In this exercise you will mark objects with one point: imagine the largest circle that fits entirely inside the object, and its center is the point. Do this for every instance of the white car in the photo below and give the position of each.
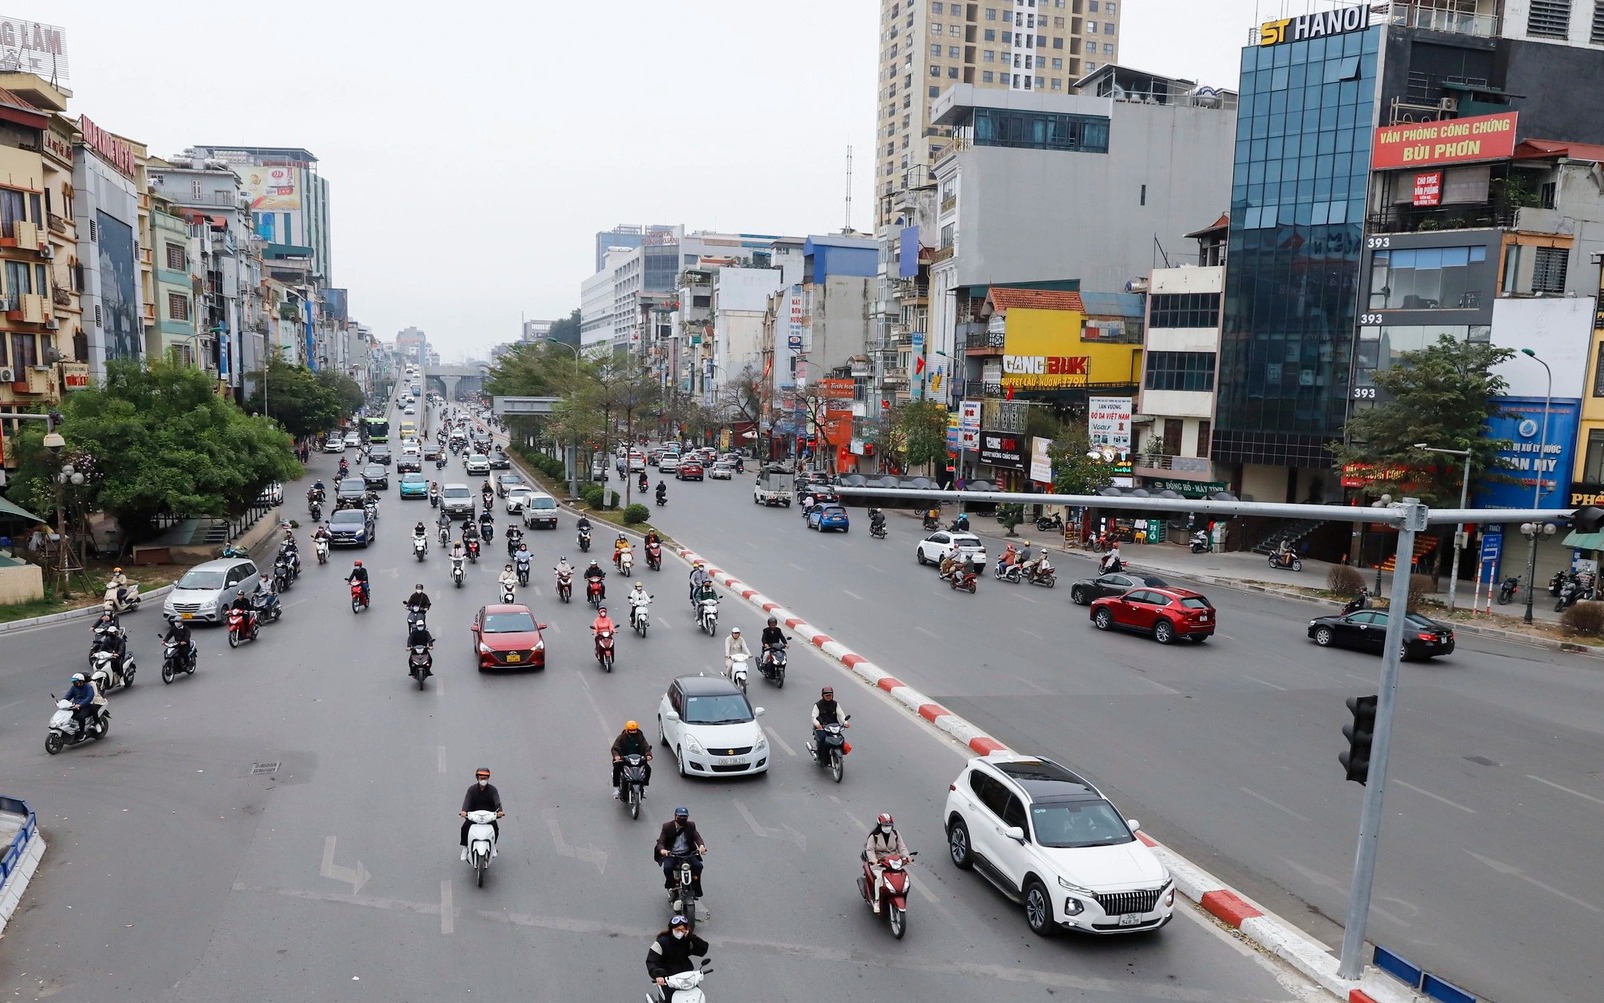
(333, 444)
(353, 439)
(936, 546)
(517, 498)
(712, 728)
(723, 470)
(1049, 840)
(668, 463)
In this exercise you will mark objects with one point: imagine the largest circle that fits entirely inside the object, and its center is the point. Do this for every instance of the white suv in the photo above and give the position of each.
(1049, 840)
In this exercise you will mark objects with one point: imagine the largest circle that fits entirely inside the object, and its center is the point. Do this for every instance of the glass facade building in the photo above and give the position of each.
(1306, 114)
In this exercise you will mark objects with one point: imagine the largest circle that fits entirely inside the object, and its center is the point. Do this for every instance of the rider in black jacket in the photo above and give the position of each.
(670, 953)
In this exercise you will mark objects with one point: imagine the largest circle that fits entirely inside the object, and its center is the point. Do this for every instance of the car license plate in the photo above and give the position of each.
(515, 657)
(730, 761)
(1131, 919)
(186, 616)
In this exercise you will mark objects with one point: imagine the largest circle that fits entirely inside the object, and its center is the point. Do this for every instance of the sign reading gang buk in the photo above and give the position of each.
(1327, 22)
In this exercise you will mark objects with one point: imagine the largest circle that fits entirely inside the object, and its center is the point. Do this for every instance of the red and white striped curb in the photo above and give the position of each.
(1211, 894)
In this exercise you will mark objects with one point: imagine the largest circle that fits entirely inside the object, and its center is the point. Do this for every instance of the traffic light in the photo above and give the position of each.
(1357, 759)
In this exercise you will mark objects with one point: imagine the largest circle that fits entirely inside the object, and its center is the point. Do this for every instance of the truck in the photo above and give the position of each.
(775, 484)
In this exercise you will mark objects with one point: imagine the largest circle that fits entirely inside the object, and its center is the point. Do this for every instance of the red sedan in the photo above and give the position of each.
(507, 636)
(1166, 613)
(689, 470)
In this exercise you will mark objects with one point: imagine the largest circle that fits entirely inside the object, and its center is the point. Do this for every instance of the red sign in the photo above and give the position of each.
(1450, 141)
(1428, 188)
(116, 151)
(837, 389)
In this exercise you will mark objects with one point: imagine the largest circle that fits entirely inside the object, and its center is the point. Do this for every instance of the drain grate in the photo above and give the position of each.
(262, 769)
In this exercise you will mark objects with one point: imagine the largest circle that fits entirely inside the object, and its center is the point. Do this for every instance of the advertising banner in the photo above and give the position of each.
(1428, 188)
(969, 425)
(1529, 456)
(1048, 352)
(1108, 422)
(271, 189)
(1002, 449)
(1041, 465)
(1450, 141)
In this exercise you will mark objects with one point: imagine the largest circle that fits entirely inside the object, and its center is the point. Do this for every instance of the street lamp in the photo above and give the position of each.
(1537, 492)
(1459, 534)
(68, 474)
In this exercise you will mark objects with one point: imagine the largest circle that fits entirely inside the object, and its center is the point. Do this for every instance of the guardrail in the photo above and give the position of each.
(20, 857)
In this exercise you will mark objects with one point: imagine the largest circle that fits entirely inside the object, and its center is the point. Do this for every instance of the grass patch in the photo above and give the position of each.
(88, 586)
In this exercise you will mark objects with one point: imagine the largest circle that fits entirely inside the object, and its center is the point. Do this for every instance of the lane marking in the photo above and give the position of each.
(848, 592)
(448, 916)
(440, 760)
(1515, 872)
(1036, 686)
(1567, 790)
(874, 567)
(796, 566)
(1032, 633)
(782, 743)
(1275, 804)
(1263, 682)
(1435, 797)
(927, 633)
(1030, 600)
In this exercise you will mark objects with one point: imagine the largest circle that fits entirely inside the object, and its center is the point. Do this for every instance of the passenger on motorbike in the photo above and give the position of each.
(482, 796)
(638, 600)
(679, 839)
(884, 841)
(630, 742)
(84, 697)
(825, 711)
(671, 953)
(1111, 561)
(699, 577)
(734, 645)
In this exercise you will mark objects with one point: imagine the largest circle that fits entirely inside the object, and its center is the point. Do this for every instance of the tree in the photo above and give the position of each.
(162, 442)
(1074, 472)
(741, 396)
(921, 432)
(533, 369)
(347, 391)
(566, 330)
(296, 399)
(1441, 395)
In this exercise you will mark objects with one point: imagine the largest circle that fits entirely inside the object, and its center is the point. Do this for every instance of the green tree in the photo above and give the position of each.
(347, 391)
(1440, 395)
(1074, 472)
(566, 330)
(296, 399)
(921, 434)
(162, 442)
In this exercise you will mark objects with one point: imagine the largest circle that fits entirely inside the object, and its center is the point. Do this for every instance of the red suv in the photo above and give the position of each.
(689, 470)
(1166, 613)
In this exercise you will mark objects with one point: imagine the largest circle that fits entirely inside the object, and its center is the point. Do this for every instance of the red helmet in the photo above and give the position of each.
(358, 564)
(885, 819)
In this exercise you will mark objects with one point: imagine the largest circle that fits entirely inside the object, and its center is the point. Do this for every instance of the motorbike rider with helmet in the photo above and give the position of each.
(772, 638)
(680, 839)
(638, 600)
(877, 521)
(594, 573)
(884, 841)
(242, 603)
(699, 578)
(487, 525)
(359, 575)
(662, 492)
(670, 954)
(482, 796)
(120, 580)
(825, 711)
(631, 742)
(734, 645)
(601, 623)
(178, 631)
(85, 697)
(509, 579)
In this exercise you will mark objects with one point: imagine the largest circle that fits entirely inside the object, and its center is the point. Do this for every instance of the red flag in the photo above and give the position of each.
(918, 365)
(1010, 395)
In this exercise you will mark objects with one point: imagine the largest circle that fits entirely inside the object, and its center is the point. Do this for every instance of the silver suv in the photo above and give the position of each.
(206, 589)
(1051, 841)
(456, 500)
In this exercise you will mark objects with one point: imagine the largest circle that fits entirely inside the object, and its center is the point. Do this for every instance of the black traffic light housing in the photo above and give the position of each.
(1359, 734)
(1588, 519)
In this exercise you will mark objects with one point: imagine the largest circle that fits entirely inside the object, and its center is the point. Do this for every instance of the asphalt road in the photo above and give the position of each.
(1488, 872)
(282, 826)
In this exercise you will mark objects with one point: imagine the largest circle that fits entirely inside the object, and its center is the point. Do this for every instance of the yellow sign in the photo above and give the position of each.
(1043, 350)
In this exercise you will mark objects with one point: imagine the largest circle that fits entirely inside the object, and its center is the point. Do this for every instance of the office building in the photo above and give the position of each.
(289, 200)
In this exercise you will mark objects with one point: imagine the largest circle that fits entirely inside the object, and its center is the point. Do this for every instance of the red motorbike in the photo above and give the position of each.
(893, 891)
(565, 587)
(654, 556)
(473, 550)
(604, 650)
(241, 627)
(593, 592)
(359, 597)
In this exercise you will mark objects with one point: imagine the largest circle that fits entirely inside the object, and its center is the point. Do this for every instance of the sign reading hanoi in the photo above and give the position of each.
(1450, 141)
(1327, 22)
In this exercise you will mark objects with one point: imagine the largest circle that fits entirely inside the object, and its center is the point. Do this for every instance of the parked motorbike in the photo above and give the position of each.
(481, 843)
(109, 671)
(737, 670)
(1050, 523)
(322, 548)
(419, 663)
(1200, 542)
(584, 541)
(687, 986)
(604, 650)
(1292, 561)
(835, 749)
(565, 586)
(359, 597)
(1557, 582)
(771, 665)
(640, 617)
(173, 663)
(64, 731)
(126, 603)
(420, 546)
(707, 616)
(654, 556)
(1571, 593)
(632, 783)
(893, 890)
(242, 626)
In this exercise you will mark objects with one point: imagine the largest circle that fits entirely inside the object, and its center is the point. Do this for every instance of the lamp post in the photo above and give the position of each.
(573, 460)
(1459, 534)
(1546, 529)
(68, 474)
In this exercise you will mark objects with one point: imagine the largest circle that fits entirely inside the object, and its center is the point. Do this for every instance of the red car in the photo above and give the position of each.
(1166, 613)
(689, 470)
(507, 636)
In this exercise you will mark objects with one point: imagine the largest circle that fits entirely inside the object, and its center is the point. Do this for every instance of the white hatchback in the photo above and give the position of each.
(712, 728)
(937, 545)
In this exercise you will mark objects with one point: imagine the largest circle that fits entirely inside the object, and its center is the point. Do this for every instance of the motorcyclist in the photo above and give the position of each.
(522, 558)
(434, 492)
(119, 580)
(419, 635)
(734, 645)
(1112, 561)
(961, 523)
(487, 525)
(470, 535)
(638, 600)
(178, 630)
(1284, 554)
(699, 578)
(358, 574)
(603, 622)
(619, 546)
(680, 839)
(671, 953)
(704, 592)
(508, 579)
(515, 536)
(108, 633)
(418, 598)
(594, 573)
(952, 562)
(321, 534)
(645, 482)
(630, 742)
(884, 841)
(583, 525)
(84, 696)
(825, 711)
(318, 489)
(242, 603)
(482, 796)
(563, 569)
(420, 531)
(877, 520)
(773, 637)
(662, 491)
(1007, 558)
(652, 539)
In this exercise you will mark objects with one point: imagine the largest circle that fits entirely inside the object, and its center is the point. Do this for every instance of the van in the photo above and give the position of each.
(409, 430)
(540, 511)
(206, 590)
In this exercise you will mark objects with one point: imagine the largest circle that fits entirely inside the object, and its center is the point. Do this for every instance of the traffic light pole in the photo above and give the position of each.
(1364, 866)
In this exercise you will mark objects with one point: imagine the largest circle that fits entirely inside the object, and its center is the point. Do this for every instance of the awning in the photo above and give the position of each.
(1584, 541)
(10, 509)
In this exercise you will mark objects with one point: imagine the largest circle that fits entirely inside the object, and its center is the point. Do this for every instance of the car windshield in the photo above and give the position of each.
(509, 623)
(348, 516)
(726, 708)
(413, 478)
(1079, 823)
(373, 470)
(350, 489)
(833, 510)
(458, 492)
(202, 579)
(544, 502)
(478, 458)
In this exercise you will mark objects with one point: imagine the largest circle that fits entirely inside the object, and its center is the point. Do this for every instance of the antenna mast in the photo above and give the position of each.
(847, 223)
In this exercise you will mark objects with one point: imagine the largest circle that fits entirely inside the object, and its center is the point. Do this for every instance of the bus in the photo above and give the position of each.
(376, 429)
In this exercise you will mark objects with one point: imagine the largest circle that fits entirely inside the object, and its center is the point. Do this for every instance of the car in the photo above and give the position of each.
(478, 465)
(599, 471)
(653, 456)
(1366, 630)
(334, 444)
(353, 438)
(1113, 584)
(457, 500)
(1048, 839)
(722, 470)
(507, 635)
(935, 546)
(351, 527)
(517, 498)
(379, 453)
(689, 470)
(668, 463)
(410, 460)
(540, 510)
(506, 482)
(414, 485)
(350, 493)
(823, 517)
(409, 409)
(637, 462)
(1167, 614)
(375, 476)
(821, 495)
(431, 452)
(711, 728)
(499, 460)
(206, 589)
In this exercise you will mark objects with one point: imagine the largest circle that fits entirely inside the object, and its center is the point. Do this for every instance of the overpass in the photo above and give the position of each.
(455, 381)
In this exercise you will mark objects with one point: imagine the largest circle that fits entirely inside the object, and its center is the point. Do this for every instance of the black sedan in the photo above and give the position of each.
(375, 476)
(1115, 584)
(351, 493)
(1366, 630)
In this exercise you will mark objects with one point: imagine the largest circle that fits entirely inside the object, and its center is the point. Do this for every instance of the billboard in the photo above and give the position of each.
(30, 47)
(1108, 422)
(1044, 350)
(271, 188)
(1529, 454)
(119, 289)
(1041, 465)
(1450, 141)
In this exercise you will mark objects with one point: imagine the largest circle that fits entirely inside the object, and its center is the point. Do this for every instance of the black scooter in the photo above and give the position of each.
(1046, 523)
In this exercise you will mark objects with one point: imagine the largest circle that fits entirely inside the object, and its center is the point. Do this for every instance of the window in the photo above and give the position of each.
(1108, 48)
(19, 280)
(1058, 43)
(1058, 63)
(1090, 66)
(1593, 457)
(991, 13)
(1597, 37)
(177, 306)
(988, 56)
(12, 211)
(935, 91)
(1203, 435)
(952, 73)
(24, 352)
(1040, 130)
(935, 29)
(986, 76)
(935, 48)
(1183, 309)
(1548, 272)
(175, 257)
(1008, 37)
(1179, 371)
(1091, 27)
(953, 52)
(1108, 27)
(955, 30)
(1108, 8)
(1058, 23)
(1428, 278)
(1549, 19)
(1008, 17)
(1091, 6)
(935, 8)
(935, 71)
(1040, 83)
(1058, 84)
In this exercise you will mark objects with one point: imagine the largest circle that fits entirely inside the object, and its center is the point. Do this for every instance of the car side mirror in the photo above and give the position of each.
(1015, 833)
(670, 716)
(1135, 825)
(757, 712)
(540, 626)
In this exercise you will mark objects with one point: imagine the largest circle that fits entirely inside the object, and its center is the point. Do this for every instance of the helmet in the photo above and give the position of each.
(734, 631)
(77, 677)
(773, 621)
(1027, 543)
(358, 564)
(601, 611)
(828, 691)
(638, 585)
(116, 571)
(418, 587)
(483, 771)
(885, 819)
(698, 564)
(682, 812)
(632, 726)
(175, 618)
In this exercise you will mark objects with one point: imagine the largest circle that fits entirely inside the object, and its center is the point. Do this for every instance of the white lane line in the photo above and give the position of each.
(873, 567)
(1435, 797)
(1030, 600)
(1512, 871)
(1262, 682)
(1036, 687)
(448, 919)
(1567, 790)
(1274, 804)
(925, 632)
(439, 687)
(796, 566)
(848, 592)
(1032, 633)
(440, 759)
(782, 743)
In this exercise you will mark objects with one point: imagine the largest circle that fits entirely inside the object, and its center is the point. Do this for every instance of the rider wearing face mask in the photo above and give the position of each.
(671, 952)
(884, 841)
(482, 796)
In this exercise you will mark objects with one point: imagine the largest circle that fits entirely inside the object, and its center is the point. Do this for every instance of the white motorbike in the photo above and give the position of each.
(457, 571)
(707, 616)
(508, 592)
(481, 842)
(105, 674)
(687, 986)
(64, 731)
(640, 618)
(420, 546)
(737, 669)
(626, 563)
(127, 604)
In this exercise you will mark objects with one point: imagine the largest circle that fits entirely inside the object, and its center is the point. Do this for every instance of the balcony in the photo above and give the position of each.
(26, 307)
(1185, 467)
(894, 378)
(948, 204)
(1466, 216)
(57, 224)
(979, 339)
(1409, 15)
(61, 297)
(940, 254)
(901, 337)
(150, 313)
(913, 294)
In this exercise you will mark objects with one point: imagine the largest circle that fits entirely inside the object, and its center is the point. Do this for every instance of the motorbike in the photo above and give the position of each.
(877, 530)
(1050, 523)
(443, 534)
(322, 548)
(481, 842)
(1571, 593)
(707, 616)
(632, 783)
(687, 986)
(626, 563)
(232, 551)
(662, 500)
(266, 606)
(932, 521)
(513, 538)
(604, 650)
(127, 603)
(682, 897)
(1200, 542)
(522, 564)
(109, 672)
(835, 748)
(1292, 561)
(960, 524)
(1507, 590)
(487, 529)
(737, 671)
(457, 572)
(108, 637)
(419, 662)
(508, 593)
(594, 593)
(962, 577)
(371, 507)
(420, 546)
(1008, 571)
(471, 545)
(1357, 603)
(64, 731)
(173, 663)
(584, 541)
(489, 498)
(434, 493)
(281, 573)
(1110, 565)
(359, 597)
(417, 617)
(893, 890)
(317, 511)
(771, 665)
(565, 586)
(640, 618)
(654, 556)
(242, 626)
(1043, 574)
(1555, 583)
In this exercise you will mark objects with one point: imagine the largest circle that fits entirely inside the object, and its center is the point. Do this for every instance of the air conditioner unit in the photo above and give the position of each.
(47, 252)
(7, 374)
(52, 324)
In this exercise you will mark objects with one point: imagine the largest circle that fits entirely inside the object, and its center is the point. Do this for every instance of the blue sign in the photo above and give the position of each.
(1529, 455)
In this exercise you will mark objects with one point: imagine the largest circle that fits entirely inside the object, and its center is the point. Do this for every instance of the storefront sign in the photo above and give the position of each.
(75, 376)
(1301, 29)
(31, 47)
(1529, 456)
(58, 148)
(1450, 141)
(1108, 422)
(1002, 449)
(1584, 493)
(968, 425)
(1186, 489)
(116, 151)
(1428, 188)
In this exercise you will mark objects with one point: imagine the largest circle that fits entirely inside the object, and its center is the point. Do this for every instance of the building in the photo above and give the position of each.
(29, 324)
(109, 183)
(289, 200)
(170, 328)
(536, 331)
(596, 303)
(739, 298)
(413, 346)
(625, 235)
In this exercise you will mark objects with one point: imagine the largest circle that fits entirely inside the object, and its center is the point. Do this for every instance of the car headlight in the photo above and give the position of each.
(1071, 886)
(693, 745)
(1312, 623)
(484, 649)
(762, 743)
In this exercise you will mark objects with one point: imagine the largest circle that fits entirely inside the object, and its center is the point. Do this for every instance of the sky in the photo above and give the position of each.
(473, 152)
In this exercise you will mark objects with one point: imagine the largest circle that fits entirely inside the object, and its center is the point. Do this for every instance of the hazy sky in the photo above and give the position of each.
(473, 149)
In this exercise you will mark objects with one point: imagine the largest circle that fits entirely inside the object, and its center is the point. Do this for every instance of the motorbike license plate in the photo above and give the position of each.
(515, 657)
(1131, 919)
